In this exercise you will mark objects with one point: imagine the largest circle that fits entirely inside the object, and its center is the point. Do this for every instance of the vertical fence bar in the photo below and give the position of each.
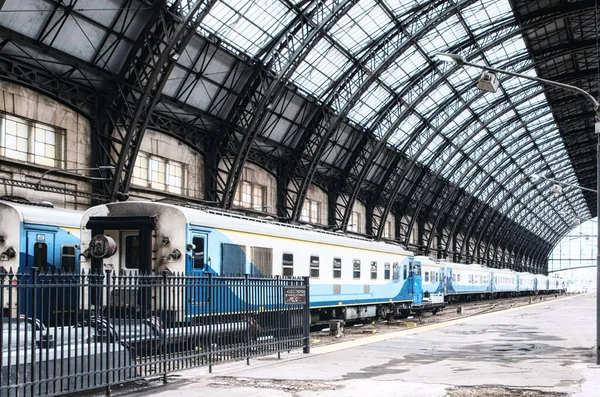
(306, 317)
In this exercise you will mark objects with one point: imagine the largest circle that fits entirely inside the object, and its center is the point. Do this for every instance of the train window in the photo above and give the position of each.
(416, 270)
(198, 253)
(288, 265)
(453, 277)
(356, 269)
(426, 277)
(40, 256)
(67, 259)
(458, 277)
(262, 261)
(132, 252)
(386, 271)
(405, 271)
(233, 259)
(314, 266)
(373, 270)
(337, 267)
(396, 269)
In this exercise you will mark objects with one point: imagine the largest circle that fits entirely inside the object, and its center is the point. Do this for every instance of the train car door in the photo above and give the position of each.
(38, 302)
(410, 288)
(417, 286)
(197, 264)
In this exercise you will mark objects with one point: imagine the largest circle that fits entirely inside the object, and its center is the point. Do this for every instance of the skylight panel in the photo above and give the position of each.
(482, 14)
(365, 21)
(431, 149)
(463, 77)
(402, 7)
(370, 102)
(323, 65)
(505, 51)
(408, 64)
(446, 34)
(247, 24)
(430, 103)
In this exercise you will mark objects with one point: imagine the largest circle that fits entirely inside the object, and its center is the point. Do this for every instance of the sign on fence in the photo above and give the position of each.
(294, 295)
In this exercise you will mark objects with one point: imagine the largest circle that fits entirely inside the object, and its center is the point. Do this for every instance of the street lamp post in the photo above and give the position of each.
(460, 61)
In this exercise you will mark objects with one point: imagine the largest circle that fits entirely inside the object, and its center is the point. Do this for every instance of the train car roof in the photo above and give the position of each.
(35, 214)
(204, 216)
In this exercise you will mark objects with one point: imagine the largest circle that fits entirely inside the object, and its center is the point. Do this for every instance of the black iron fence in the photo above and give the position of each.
(67, 333)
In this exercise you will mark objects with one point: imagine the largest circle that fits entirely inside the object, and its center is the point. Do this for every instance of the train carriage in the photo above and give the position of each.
(527, 283)
(350, 277)
(467, 281)
(45, 239)
(504, 282)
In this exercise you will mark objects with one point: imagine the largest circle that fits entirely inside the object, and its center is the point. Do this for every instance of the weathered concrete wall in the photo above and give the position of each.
(23, 102)
(317, 194)
(164, 146)
(362, 216)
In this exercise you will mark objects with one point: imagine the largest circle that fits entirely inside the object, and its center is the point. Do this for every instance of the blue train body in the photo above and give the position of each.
(43, 239)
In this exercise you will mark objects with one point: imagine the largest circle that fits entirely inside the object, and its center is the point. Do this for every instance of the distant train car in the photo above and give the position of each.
(350, 278)
(432, 275)
(527, 282)
(504, 282)
(472, 280)
(47, 239)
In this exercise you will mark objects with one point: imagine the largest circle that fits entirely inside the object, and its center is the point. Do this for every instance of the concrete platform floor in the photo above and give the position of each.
(544, 349)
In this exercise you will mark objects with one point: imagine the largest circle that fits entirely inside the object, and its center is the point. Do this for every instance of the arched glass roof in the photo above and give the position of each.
(373, 61)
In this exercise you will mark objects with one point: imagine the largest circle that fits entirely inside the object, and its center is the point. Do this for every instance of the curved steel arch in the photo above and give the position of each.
(495, 210)
(321, 128)
(466, 141)
(506, 216)
(376, 152)
(282, 58)
(457, 131)
(144, 75)
(482, 186)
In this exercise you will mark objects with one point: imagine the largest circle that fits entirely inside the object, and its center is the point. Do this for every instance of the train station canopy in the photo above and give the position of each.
(346, 95)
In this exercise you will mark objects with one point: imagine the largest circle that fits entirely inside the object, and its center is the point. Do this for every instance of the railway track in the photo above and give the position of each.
(355, 329)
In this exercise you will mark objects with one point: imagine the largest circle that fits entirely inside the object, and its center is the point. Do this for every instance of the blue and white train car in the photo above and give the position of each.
(432, 275)
(543, 283)
(33, 236)
(504, 282)
(349, 277)
(527, 282)
(462, 279)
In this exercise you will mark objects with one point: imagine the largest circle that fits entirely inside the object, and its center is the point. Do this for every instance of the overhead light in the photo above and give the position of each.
(106, 168)
(535, 177)
(447, 57)
(488, 82)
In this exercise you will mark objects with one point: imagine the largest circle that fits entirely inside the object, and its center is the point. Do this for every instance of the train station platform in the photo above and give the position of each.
(543, 349)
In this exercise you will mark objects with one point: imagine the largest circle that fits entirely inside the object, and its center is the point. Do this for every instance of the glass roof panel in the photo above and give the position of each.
(430, 103)
(247, 24)
(323, 65)
(483, 14)
(410, 62)
(446, 34)
(360, 26)
(370, 102)
(445, 118)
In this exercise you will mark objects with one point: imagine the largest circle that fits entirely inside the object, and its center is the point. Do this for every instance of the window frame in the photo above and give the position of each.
(287, 266)
(356, 264)
(312, 266)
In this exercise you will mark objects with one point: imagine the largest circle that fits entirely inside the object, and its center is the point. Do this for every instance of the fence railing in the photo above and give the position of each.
(68, 332)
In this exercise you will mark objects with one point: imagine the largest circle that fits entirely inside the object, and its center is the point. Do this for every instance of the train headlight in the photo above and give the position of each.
(102, 246)
(175, 255)
(8, 254)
